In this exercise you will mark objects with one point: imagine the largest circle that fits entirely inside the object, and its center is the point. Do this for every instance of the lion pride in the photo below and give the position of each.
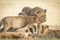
(17, 22)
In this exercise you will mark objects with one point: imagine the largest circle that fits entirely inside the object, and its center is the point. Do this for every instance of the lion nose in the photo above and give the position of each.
(19, 13)
(42, 15)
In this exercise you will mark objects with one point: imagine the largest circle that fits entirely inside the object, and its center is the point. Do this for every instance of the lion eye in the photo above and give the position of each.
(38, 12)
(26, 31)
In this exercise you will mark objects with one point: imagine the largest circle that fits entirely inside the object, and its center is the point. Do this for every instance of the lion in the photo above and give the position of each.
(49, 32)
(8, 35)
(24, 33)
(25, 10)
(19, 33)
(28, 31)
(17, 22)
(31, 11)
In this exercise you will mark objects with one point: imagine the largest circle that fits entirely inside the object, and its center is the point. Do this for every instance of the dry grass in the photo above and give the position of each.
(35, 38)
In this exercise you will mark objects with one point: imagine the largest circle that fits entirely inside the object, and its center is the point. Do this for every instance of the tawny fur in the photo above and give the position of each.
(26, 32)
(21, 21)
(25, 10)
(31, 11)
(8, 35)
(49, 32)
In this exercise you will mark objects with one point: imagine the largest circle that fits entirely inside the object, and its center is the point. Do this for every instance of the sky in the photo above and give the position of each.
(13, 7)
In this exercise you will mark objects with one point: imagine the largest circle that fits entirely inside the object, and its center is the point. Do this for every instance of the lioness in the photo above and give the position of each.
(28, 31)
(24, 32)
(25, 10)
(21, 21)
(34, 12)
(48, 32)
(31, 11)
(19, 33)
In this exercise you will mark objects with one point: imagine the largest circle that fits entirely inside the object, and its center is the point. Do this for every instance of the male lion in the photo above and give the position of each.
(21, 21)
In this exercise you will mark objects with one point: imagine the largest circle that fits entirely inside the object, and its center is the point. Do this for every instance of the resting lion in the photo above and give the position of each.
(8, 35)
(27, 32)
(49, 32)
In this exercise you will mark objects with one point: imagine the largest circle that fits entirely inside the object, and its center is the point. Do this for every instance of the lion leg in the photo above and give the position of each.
(7, 27)
(39, 29)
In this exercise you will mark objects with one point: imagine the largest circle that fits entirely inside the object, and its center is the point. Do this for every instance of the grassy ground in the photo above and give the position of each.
(35, 38)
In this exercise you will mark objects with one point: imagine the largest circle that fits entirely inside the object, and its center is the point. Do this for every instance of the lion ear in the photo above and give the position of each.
(45, 10)
(47, 26)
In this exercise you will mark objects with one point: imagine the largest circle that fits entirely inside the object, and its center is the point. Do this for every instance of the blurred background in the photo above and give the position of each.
(13, 7)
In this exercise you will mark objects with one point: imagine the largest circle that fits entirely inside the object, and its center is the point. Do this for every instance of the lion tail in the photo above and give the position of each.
(1, 25)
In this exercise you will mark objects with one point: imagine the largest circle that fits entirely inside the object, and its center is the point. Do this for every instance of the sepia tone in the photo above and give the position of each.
(13, 7)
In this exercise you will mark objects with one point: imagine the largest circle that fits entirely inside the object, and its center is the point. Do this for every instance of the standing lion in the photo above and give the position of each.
(17, 22)
(31, 11)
